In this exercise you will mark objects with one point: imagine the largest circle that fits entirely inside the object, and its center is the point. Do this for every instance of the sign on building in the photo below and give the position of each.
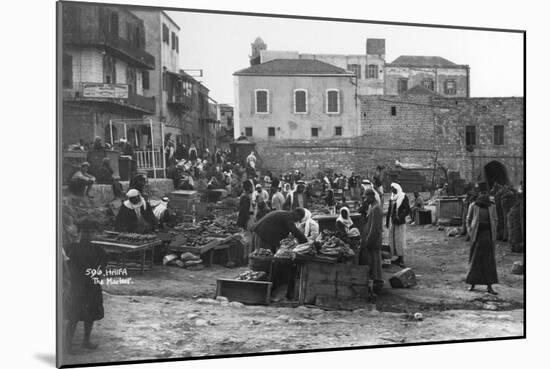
(105, 90)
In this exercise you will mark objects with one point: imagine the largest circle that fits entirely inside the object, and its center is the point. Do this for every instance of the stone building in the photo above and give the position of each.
(103, 63)
(377, 77)
(295, 98)
(431, 72)
(227, 131)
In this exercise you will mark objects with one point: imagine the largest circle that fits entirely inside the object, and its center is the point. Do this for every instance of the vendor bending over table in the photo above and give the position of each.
(275, 226)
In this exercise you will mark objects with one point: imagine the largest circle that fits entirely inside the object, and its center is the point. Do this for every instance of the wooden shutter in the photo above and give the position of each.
(340, 101)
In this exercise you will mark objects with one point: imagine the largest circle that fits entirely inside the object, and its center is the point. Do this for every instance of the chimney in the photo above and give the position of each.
(376, 46)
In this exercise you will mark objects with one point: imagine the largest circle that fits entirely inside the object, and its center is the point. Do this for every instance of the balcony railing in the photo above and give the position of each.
(120, 47)
(181, 100)
(118, 94)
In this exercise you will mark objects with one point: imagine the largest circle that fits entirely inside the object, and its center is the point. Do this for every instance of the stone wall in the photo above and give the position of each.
(424, 129)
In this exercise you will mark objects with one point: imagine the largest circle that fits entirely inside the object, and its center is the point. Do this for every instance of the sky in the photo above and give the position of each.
(220, 45)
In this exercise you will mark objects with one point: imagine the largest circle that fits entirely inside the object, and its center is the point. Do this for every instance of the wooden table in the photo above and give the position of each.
(124, 248)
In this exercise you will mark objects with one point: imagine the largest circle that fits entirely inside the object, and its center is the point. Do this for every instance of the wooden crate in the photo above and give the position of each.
(247, 292)
(335, 281)
(449, 208)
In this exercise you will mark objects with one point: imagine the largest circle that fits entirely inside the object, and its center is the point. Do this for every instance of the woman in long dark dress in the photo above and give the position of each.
(85, 299)
(481, 222)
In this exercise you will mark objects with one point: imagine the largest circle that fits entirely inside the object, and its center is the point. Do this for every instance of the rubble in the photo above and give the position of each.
(518, 268)
(405, 278)
(206, 301)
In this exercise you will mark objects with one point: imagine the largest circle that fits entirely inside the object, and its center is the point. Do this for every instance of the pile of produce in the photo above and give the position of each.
(262, 252)
(329, 244)
(135, 238)
(219, 228)
(250, 275)
(186, 260)
(305, 249)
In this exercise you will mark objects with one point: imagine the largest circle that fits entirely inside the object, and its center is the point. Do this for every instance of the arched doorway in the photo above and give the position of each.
(495, 172)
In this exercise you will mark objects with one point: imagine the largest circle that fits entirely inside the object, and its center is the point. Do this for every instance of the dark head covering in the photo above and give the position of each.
(482, 186)
(483, 201)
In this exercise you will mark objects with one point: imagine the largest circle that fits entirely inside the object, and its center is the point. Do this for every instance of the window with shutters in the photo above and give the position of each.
(67, 71)
(145, 79)
(402, 85)
(498, 138)
(114, 24)
(300, 101)
(314, 132)
(109, 69)
(372, 71)
(428, 83)
(262, 101)
(450, 87)
(271, 131)
(165, 34)
(248, 131)
(333, 101)
(355, 68)
(338, 131)
(173, 41)
(177, 44)
(470, 135)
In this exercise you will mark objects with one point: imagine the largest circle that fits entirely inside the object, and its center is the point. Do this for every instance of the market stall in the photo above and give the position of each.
(313, 272)
(125, 244)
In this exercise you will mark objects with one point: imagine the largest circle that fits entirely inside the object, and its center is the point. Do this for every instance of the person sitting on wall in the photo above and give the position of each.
(138, 182)
(135, 215)
(81, 181)
(105, 175)
(98, 145)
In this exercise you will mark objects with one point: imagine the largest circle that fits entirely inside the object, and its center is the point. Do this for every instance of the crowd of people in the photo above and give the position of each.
(272, 207)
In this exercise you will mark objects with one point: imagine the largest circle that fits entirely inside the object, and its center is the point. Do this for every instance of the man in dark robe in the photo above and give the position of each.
(371, 239)
(135, 215)
(481, 222)
(273, 227)
(105, 175)
(84, 298)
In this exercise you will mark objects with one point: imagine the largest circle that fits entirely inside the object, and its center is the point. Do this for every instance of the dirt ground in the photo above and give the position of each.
(158, 316)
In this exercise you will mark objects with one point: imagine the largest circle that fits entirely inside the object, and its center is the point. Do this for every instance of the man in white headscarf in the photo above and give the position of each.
(398, 209)
(367, 185)
(135, 215)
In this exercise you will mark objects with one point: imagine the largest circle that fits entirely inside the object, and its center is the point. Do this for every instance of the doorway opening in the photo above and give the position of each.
(495, 172)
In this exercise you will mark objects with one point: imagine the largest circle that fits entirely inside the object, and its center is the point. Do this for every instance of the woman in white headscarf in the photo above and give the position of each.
(398, 209)
(308, 226)
(344, 224)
